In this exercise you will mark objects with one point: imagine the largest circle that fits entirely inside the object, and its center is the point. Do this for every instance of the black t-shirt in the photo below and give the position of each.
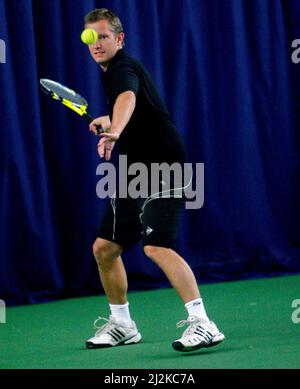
(150, 135)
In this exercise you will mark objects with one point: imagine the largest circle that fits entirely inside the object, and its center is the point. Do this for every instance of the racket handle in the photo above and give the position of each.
(90, 119)
(99, 130)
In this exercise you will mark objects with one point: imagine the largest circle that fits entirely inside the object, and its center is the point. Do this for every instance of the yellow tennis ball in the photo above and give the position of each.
(89, 36)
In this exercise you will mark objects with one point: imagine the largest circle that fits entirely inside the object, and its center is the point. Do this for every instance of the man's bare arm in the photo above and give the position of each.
(122, 112)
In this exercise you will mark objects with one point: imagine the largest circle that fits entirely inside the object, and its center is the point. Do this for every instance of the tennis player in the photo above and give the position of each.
(140, 124)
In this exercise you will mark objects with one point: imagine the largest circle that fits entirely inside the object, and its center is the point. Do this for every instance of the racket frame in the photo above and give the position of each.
(80, 109)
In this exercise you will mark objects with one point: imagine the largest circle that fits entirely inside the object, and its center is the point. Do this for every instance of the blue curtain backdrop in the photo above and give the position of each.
(224, 69)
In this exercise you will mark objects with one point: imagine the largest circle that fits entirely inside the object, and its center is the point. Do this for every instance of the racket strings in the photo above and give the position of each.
(63, 92)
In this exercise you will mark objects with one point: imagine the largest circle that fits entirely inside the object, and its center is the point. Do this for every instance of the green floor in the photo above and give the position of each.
(254, 315)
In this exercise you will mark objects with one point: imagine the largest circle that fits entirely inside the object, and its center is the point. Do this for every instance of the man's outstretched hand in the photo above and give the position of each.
(108, 139)
(103, 121)
(106, 144)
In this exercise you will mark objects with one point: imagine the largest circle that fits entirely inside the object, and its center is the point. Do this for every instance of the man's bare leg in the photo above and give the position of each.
(177, 271)
(111, 270)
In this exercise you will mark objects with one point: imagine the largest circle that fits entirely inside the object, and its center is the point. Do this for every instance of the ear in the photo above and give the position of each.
(120, 38)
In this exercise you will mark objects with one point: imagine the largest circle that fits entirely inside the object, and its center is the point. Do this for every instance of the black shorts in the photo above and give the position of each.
(153, 221)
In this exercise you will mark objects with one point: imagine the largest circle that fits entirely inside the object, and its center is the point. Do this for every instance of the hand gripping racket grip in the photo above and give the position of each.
(90, 119)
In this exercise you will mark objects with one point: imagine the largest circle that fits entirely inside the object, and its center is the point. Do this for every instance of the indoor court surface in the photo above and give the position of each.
(255, 315)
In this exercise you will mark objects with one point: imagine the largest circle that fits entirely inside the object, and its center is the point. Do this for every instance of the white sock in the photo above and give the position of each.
(196, 308)
(121, 313)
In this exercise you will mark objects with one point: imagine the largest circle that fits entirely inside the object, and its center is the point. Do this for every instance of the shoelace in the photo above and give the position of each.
(192, 325)
(104, 327)
(189, 321)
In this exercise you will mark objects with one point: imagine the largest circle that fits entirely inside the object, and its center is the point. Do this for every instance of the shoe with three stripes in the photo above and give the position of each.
(198, 334)
(113, 334)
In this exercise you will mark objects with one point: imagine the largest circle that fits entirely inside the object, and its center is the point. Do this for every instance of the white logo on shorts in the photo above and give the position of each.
(148, 230)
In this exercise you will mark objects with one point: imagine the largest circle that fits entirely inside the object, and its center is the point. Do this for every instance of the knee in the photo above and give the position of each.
(154, 252)
(105, 251)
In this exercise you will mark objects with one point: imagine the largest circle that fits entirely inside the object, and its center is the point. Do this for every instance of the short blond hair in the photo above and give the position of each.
(105, 14)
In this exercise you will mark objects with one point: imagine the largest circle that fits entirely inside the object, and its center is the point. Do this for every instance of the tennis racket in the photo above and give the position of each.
(67, 97)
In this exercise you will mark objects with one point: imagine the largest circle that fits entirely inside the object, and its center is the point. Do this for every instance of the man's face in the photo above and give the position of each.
(107, 44)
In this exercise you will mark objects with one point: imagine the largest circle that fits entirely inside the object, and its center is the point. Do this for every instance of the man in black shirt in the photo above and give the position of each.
(141, 125)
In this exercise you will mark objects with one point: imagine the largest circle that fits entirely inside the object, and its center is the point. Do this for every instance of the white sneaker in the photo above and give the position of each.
(198, 334)
(113, 334)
